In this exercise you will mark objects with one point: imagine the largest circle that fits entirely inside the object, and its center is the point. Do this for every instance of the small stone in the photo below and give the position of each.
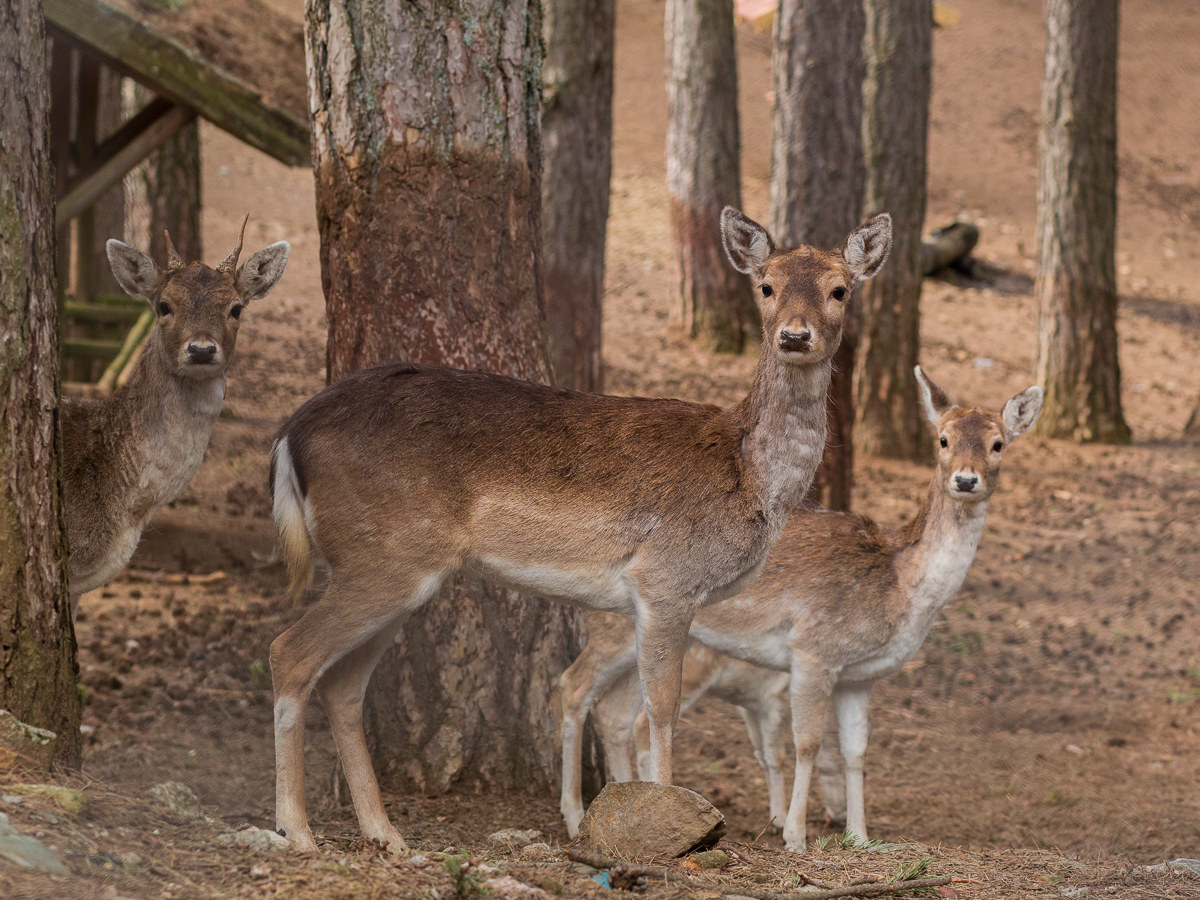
(131, 859)
(537, 851)
(1182, 866)
(638, 819)
(26, 851)
(418, 860)
(260, 871)
(507, 886)
(514, 838)
(709, 859)
(178, 801)
(1075, 891)
(253, 837)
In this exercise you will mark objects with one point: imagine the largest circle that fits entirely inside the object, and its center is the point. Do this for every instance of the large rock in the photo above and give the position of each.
(26, 851)
(638, 819)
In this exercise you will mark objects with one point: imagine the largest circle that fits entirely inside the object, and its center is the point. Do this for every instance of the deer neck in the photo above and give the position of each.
(170, 420)
(938, 549)
(784, 426)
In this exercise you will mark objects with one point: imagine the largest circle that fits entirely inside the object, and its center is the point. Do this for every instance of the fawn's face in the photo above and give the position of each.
(971, 440)
(970, 443)
(198, 308)
(198, 312)
(804, 292)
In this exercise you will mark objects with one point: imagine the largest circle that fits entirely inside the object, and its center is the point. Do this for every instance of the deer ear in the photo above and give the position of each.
(933, 398)
(134, 270)
(1022, 411)
(867, 247)
(262, 271)
(747, 243)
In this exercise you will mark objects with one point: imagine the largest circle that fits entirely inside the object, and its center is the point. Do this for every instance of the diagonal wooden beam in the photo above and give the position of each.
(116, 157)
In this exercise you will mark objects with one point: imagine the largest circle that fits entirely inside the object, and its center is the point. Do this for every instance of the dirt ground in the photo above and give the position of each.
(1046, 736)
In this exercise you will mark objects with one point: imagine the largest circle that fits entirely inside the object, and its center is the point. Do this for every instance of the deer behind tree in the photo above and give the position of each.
(127, 455)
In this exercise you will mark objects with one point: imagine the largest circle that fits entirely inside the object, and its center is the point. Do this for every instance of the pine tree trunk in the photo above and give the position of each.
(712, 301)
(577, 138)
(427, 159)
(1076, 225)
(898, 54)
(110, 207)
(817, 180)
(173, 195)
(37, 666)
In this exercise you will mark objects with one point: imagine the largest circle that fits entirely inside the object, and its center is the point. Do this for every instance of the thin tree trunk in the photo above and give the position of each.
(172, 180)
(817, 180)
(1076, 225)
(577, 138)
(110, 208)
(427, 159)
(712, 301)
(898, 53)
(37, 665)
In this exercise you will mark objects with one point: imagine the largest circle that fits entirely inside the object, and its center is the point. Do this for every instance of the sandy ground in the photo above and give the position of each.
(1047, 732)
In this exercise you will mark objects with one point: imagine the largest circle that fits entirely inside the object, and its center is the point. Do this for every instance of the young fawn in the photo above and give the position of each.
(403, 474)
(840, 603)
(126, 455)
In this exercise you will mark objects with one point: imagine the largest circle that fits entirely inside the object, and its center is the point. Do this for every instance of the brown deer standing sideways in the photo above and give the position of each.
(400, 475)
(127, 455)
(840, 603)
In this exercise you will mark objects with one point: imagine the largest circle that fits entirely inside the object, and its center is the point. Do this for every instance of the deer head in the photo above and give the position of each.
(971, 440)
(198, 308)
(804, 292)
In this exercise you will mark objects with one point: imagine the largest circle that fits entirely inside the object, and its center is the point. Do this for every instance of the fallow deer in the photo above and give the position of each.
(402, 474)
(127, 455)
(840, 603)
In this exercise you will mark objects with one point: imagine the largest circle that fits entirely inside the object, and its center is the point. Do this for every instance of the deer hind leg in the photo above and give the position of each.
(581, 684)
(831, 772)
(853, 722)
(810, 692)
(662, 642)
(767, 725)
(342, 620)
(342, 689)
(615, 713)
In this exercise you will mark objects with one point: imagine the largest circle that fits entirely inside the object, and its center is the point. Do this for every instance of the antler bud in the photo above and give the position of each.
(174, 260)
(229, 264)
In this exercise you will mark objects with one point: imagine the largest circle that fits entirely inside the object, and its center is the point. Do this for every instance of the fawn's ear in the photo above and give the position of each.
(1022, 411)
(747, 243)
(933, 399)
(867, 247)
(134, 270)
(262, 271)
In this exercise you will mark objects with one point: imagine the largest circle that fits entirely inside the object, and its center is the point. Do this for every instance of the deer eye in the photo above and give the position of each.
(164, 309)
(839, 293)
(943, 442)
(998, 446)
(236, 311)
(766, 290)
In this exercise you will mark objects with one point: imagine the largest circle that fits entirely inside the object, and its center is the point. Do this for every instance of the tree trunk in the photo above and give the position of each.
(817, 180)
(577, 137)
(37, 666)
(173, 195)
(898, 53)
(109, 210)
(712, 301)
(1076, 225)
(427, 159)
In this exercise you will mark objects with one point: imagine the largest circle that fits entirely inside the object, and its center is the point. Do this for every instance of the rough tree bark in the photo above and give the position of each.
(1076, 225)
(712, 301)
(37, 638)
(577, 139)
(817, 179)
(898, 55)
(427, 160)
(173, 195)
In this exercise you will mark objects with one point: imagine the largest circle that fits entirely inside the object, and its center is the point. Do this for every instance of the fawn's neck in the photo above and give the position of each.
(785, 426)
(939, 547)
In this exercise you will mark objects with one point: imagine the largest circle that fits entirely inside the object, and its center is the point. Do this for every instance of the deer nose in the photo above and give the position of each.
(966, 483)
(202, 352)
(796, 340)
